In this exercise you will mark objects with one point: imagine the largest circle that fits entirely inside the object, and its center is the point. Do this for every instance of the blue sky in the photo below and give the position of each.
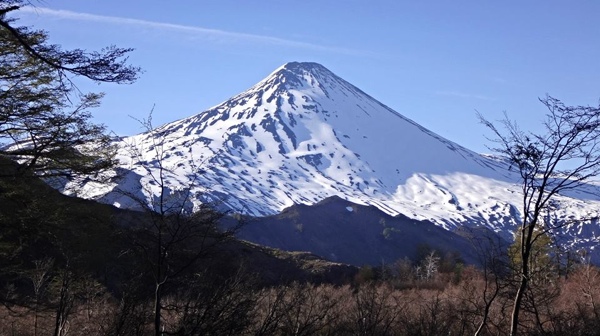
(436, 62)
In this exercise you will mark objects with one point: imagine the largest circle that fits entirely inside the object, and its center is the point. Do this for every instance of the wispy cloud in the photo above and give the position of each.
(463, 95)
(499, 80)
(221, 35)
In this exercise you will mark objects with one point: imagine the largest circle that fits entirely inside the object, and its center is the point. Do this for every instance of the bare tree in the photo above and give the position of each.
(428, 267)
(269, 310)
(493, 261)
(173, 234)
(564, 157)
(39, 276)
(587, 282)
(309, 310)
(64, 300)
(211, 305)
(374, 311)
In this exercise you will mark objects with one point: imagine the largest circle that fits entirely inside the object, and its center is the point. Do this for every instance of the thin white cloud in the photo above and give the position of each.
(499, 80)
(200, 31)
(463, 95)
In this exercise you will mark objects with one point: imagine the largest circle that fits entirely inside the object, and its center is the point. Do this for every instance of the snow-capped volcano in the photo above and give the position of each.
(304, 134)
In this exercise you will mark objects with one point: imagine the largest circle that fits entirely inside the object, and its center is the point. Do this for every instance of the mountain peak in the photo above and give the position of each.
(303, 66)
(304, 134)
(294, 75)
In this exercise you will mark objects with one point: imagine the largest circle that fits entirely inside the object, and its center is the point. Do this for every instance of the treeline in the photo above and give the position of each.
(447, 303)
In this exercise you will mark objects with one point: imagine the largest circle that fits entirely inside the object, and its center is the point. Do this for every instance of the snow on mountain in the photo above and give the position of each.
(304, 134)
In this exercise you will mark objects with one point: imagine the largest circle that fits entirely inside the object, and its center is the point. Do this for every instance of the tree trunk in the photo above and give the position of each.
(35, 318)
(157, 309)
(526, 246)
(514, 318)
(64, 304)
(486, 313)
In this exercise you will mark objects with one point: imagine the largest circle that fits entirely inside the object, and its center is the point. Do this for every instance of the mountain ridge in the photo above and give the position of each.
(304, 134)
(328, 229)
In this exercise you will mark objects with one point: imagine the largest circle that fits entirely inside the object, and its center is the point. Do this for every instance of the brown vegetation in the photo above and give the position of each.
(443, 304)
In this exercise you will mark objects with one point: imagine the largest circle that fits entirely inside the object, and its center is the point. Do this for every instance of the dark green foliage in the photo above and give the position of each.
(45, 123)
(36, 223)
